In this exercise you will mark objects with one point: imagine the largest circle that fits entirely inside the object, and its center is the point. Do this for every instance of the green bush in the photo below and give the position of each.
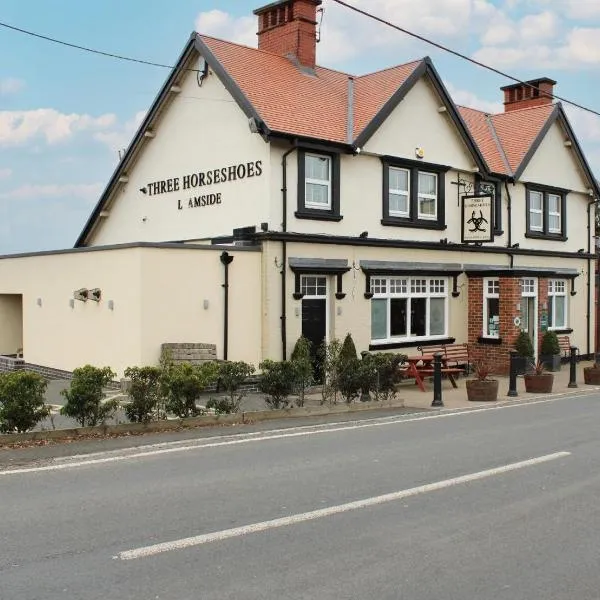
(182, 385)
(550, 343)
(349, 376)
(86, 394)
(303, 368)
(388, 376)
(348, 351)
(22, 401)
(523, 344)
(329, 359)
(145, 394)
(277, 381)
(231, 377)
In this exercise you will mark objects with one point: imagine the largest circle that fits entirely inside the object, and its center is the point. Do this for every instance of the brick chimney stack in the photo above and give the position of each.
(538, 92)
(289, 28)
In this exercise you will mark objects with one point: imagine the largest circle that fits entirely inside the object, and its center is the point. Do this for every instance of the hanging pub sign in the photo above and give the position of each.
(477, 222)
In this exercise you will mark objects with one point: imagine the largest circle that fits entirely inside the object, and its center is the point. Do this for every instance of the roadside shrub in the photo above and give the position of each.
(145, 394)
(231, 377)
(303, 368)
(221, 406)
(86, 394)
(277, 381)
(388, 376)
(550, 343)
(523, 344)
(22, 401)
(328, 356)
(183, 383)
(349, 376)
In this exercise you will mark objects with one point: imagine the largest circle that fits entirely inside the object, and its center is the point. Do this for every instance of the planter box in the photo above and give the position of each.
(540, 384)
(482, 391)
(591, 375)
(551, 361)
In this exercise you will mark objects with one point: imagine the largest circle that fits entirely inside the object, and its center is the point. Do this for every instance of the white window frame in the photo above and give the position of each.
(399, 192)
(316, 296)
(536, 211)
(383, 292)
(322, 182)
(552, 295)
(489, 282)
(434, 197)
(555, 214)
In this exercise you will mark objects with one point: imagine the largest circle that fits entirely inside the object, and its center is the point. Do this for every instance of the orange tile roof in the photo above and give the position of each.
(298, 103)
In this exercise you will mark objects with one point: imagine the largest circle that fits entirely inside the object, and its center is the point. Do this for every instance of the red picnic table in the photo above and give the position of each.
(419, 366)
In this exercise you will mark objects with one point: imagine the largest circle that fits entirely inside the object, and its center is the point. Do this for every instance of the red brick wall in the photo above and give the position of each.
(495, 355)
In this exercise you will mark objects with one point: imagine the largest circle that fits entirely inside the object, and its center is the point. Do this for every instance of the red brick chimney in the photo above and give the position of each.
(537, 92)
(289, 28)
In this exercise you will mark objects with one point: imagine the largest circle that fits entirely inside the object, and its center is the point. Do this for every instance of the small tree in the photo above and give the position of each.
(145, 394)
(348, 370)
(22, 401)
(183, 384)
(550, 343)
(329, 355)
(523, 345)
(277, 381)
(231, 377)
(303, 367)
(86, 394)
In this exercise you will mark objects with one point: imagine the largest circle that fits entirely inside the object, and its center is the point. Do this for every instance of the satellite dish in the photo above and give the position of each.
(202, 70)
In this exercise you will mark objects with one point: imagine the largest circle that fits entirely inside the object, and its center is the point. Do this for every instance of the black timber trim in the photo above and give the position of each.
(414, 167)
(413, 344)
(545, 234)
(318, 214)
(424, 68)
(518, 272)
(338, 240)
(563, 331)
(138, 138)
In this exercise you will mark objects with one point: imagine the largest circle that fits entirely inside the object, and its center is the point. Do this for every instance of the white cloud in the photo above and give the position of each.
(11, 86)
(5, 173)
(19, 127)
(471, 100)
(222, 25)
(84, 191)
(119, 136)
(573, 9)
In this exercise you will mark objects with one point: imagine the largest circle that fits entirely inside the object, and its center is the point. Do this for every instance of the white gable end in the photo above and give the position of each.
(417, 123)
(201, 175)
(555, 164)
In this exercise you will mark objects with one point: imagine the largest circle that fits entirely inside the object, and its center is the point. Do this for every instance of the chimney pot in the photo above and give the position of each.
(289, 28)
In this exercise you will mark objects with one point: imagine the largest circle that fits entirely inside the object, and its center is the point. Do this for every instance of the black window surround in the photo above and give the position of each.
(414, 167)
(485, 185)
(545, 233)
(331, 213)
(315, 270)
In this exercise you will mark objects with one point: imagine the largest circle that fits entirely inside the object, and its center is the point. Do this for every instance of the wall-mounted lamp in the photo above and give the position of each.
(518, 307)
(111, 305)
(339, 311)
(297, 311)
(39, 301)
(205, 304)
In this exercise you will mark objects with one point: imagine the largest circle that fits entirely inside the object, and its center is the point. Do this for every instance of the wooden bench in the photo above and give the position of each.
(564, 342)
(456, 355)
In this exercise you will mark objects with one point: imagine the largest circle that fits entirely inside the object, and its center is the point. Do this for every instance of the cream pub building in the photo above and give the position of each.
(265, 197)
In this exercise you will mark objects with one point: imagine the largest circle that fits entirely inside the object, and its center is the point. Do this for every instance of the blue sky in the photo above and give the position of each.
(65, 114)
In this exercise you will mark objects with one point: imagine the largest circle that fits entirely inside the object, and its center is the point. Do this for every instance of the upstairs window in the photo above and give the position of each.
(546, 213)
(318, 186)
(413, 194)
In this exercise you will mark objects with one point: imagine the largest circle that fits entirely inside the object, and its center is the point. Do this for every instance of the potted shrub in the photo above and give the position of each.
(550, 354)
(540, 381)
(482, 388)
(524, 349)
(591, 375)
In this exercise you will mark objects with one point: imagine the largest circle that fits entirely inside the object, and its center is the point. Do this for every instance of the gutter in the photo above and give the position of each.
(588, 316)
(226, 259)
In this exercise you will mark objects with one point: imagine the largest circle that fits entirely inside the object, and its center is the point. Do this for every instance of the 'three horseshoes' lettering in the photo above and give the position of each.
(201, 179)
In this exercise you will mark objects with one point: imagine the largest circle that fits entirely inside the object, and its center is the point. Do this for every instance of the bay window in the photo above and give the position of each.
(408, 308)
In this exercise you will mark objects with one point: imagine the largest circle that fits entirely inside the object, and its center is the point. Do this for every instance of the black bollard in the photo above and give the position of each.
(512, 380)
(573, 365)
(437, 380)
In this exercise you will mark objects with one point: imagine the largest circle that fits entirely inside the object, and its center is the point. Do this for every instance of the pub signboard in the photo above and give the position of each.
(477, 219)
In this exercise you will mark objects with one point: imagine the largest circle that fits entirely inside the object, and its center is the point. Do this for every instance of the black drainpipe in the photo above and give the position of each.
(284, 252)
(589, 275)
(509, 207)
(226, 259)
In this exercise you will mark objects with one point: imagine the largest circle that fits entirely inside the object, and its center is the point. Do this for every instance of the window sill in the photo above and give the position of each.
(413, 343)
(554, 237)
(318, 215)
(489, 341)
(417, 224)
(563, 331)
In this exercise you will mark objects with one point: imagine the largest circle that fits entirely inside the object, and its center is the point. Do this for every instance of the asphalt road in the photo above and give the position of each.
(274, 516)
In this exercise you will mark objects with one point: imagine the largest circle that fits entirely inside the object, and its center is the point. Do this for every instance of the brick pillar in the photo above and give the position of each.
(495, 353)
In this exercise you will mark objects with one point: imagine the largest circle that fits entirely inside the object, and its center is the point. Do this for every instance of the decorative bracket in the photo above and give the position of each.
(368, 292)
(455, 291)
(573, 290)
